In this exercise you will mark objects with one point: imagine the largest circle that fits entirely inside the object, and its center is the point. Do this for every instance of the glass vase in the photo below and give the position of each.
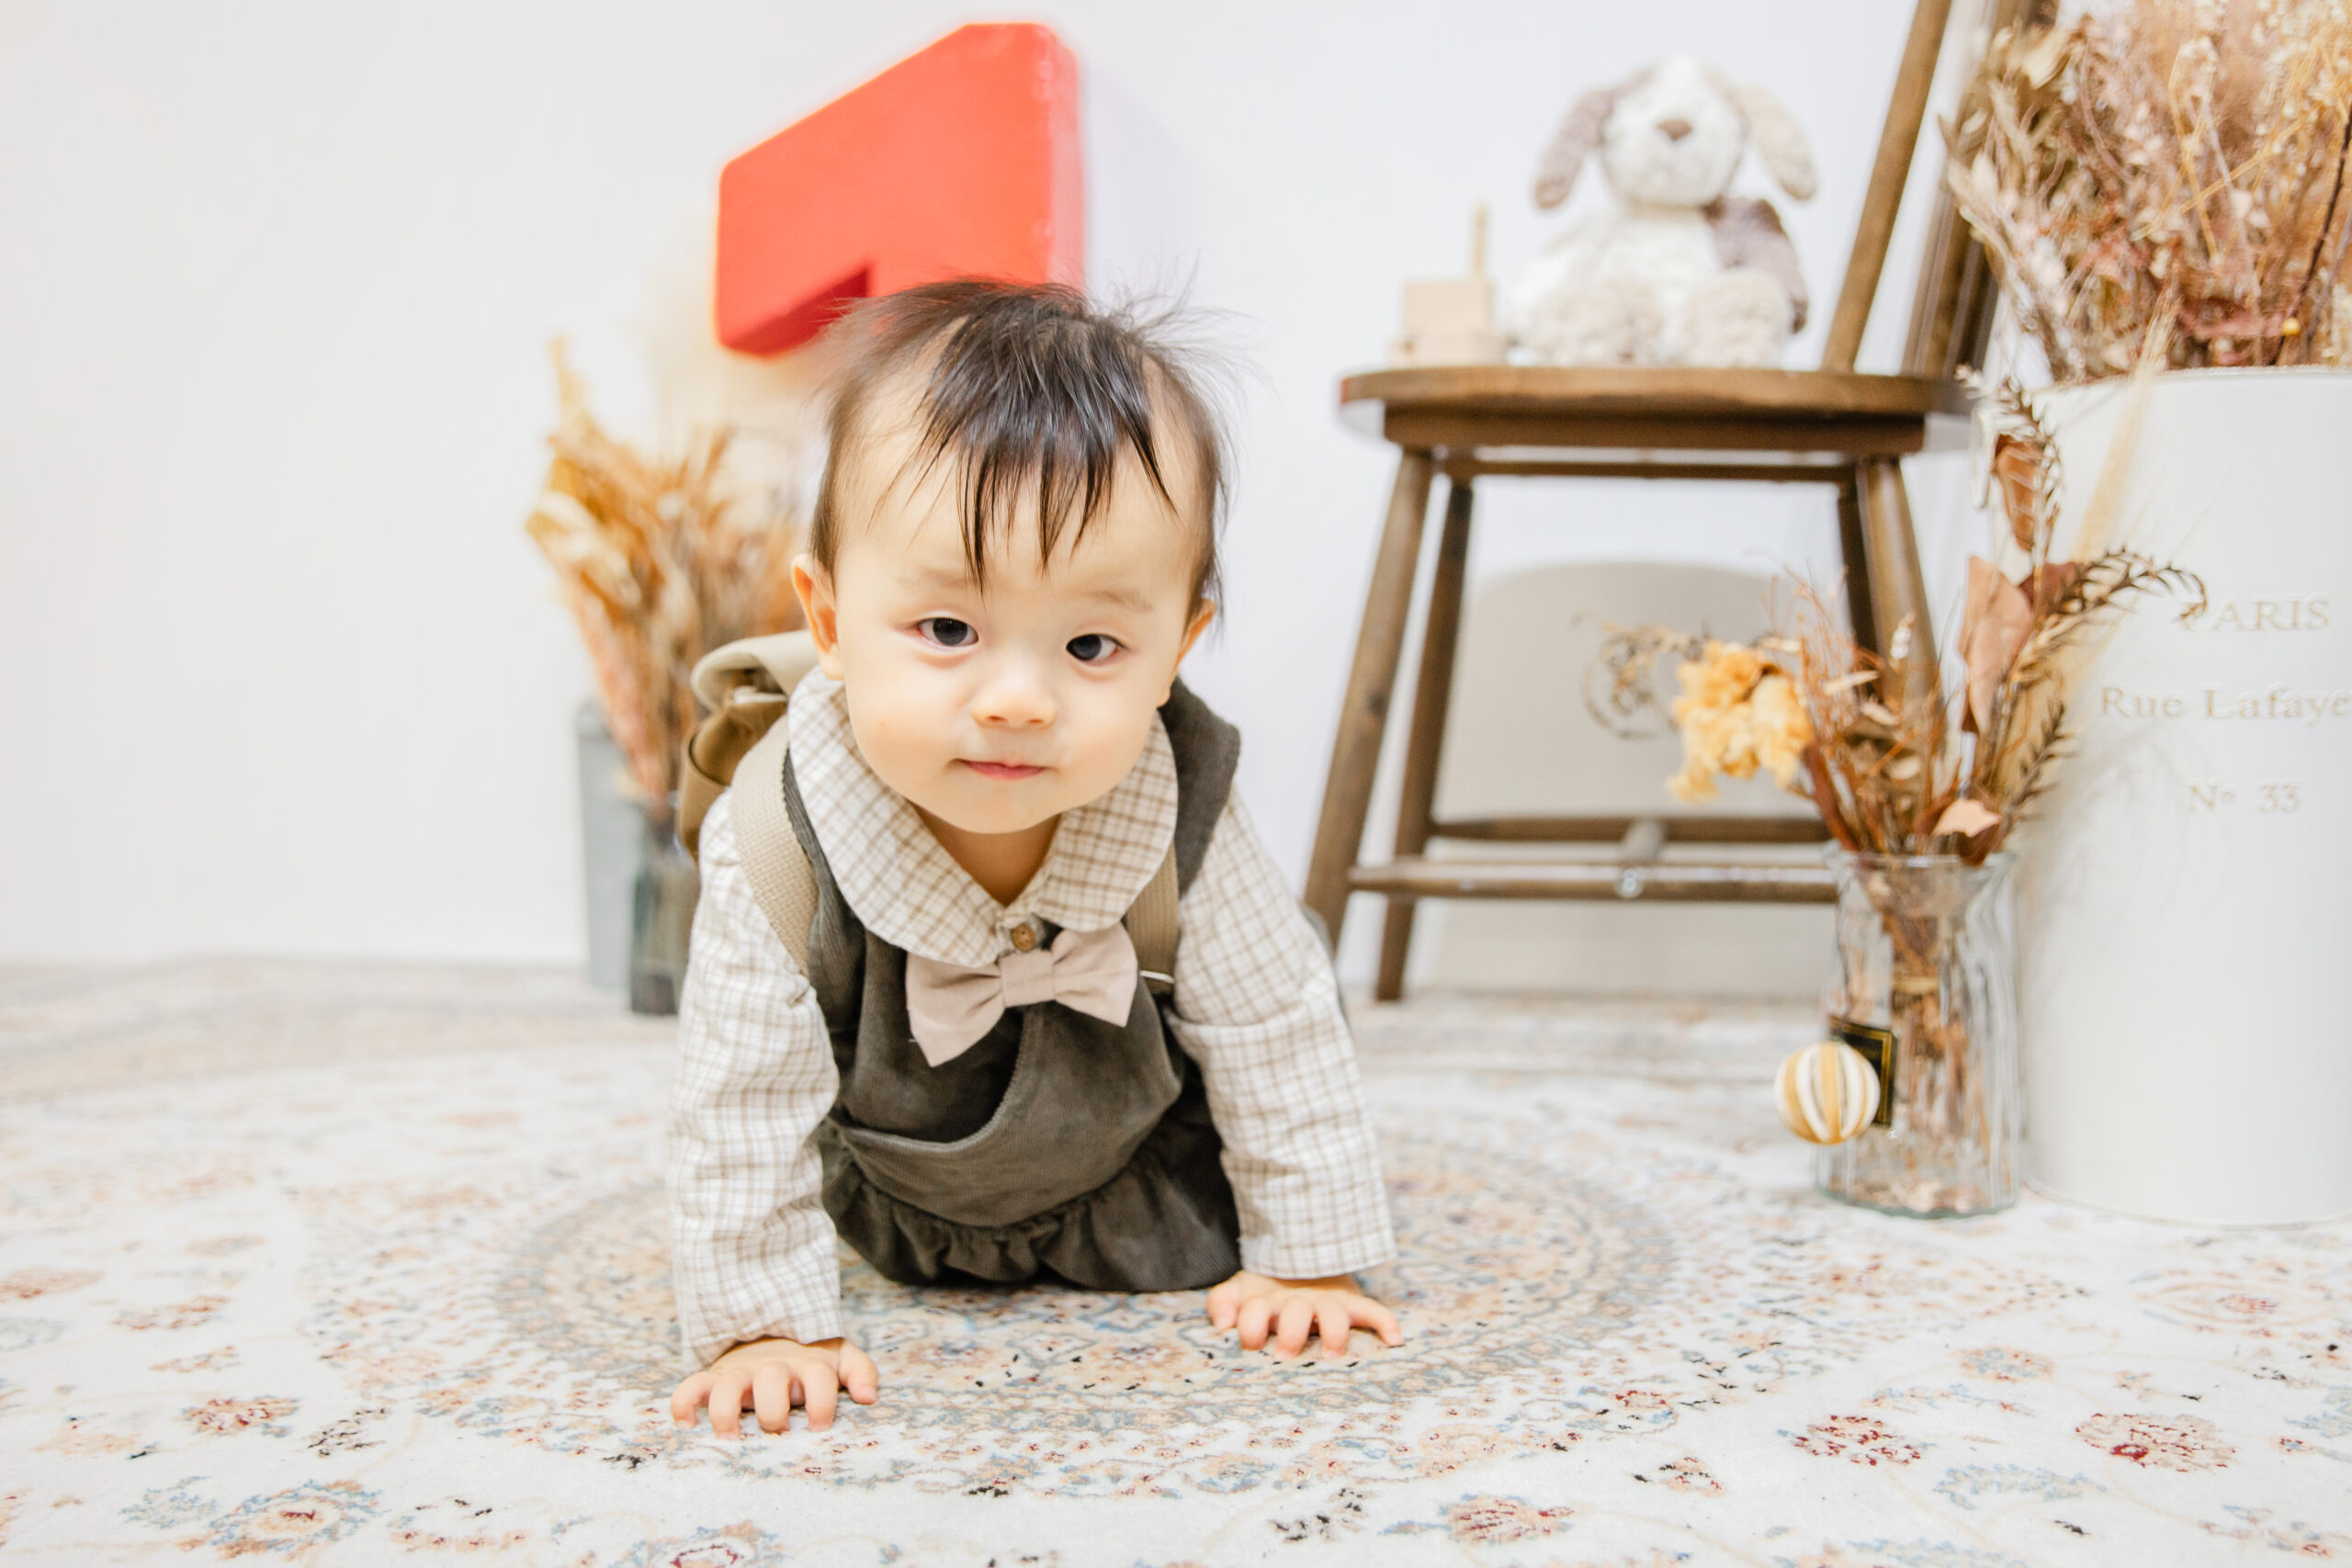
(662, 919)
(1926, 986)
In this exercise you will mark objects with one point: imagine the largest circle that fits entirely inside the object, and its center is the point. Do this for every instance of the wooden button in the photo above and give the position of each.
(1024, 937)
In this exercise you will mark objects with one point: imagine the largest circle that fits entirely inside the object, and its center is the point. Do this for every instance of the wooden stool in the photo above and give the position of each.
(1832, 426)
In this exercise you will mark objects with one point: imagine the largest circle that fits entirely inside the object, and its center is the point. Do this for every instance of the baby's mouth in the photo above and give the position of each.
(1007, 771)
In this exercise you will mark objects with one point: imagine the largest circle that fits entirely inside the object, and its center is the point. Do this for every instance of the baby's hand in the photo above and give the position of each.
(772, 1376)
(1293, 1309)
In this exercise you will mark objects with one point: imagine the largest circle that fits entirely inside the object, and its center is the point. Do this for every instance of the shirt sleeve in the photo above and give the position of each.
(1258, 1007)
(752, 1247)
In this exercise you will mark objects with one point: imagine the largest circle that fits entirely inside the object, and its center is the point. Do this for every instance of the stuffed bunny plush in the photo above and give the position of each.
(1680, 273)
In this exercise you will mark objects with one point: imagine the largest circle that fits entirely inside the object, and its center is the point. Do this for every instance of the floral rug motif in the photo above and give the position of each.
(412, 1305)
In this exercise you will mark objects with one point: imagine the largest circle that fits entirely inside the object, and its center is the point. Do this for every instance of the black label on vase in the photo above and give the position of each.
(1877, 1047)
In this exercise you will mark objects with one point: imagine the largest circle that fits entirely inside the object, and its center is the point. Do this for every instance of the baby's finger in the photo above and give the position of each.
(1331, 1320)
(1224, 1305)
(1379, 1319)
(1298, 1322)
(726, 1402)
(819, 1392)
(688, 1397)
(858, 1375)
(1257, 1316)
(772, 1395)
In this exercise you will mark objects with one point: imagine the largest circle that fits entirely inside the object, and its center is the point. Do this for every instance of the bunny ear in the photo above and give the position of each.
(1773, 132)
(1557, 171)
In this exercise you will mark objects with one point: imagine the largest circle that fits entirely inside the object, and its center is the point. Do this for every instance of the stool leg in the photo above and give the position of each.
(1898, 590)
(1431, 694)
(1363, 714)
(1850, 545)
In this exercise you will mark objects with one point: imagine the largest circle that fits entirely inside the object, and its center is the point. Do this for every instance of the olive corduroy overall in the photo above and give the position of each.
(1058, 1145)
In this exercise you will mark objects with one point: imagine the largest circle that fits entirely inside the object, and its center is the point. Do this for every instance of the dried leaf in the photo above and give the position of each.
(2052, 582)
(1967, 818)
(2017, 470)
(1993, 627)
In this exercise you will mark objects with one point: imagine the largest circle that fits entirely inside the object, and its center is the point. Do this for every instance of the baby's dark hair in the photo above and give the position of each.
(1024, 383)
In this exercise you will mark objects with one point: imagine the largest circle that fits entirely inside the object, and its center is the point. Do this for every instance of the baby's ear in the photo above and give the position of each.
(1774, 133)
(1557, 171)
(1200, 619)
(814, 587)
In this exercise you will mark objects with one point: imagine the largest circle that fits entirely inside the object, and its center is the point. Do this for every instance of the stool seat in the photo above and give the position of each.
(1642, 388)
(1491, 418)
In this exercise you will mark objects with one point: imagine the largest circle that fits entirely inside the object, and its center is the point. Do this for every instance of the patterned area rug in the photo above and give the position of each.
(360, 1265)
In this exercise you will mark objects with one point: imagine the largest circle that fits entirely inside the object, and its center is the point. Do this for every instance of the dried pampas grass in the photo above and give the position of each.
(660, 561)
(2176, 165)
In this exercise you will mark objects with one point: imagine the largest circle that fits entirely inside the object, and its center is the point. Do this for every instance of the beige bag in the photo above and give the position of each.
(741, 746)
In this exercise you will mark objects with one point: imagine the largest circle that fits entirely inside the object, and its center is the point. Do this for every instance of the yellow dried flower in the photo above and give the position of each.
(1721, 678)
(1693, 785)
(1737, 714)
(1781, 729)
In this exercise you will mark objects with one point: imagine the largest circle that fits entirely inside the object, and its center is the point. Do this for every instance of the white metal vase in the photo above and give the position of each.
(2186, 898)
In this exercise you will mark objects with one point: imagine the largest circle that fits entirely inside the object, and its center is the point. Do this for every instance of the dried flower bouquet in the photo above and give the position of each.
(1919, 788)
(660, 561)
(2172, 162)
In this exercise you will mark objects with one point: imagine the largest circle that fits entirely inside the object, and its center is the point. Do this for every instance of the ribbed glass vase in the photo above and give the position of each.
(1926, 978)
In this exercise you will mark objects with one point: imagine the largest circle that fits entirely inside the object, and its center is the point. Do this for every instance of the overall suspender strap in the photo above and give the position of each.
(1151, 926)
(773, 862)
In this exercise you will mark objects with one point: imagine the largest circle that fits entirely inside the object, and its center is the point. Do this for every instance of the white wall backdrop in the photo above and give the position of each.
(278, 669)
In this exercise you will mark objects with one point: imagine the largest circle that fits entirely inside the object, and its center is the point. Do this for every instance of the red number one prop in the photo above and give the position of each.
(962, 160)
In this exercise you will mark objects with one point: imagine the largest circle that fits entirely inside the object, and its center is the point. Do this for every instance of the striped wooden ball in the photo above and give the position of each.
(1827, 1092)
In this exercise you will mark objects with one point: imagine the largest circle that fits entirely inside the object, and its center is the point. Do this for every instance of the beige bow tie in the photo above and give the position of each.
(951, 1007)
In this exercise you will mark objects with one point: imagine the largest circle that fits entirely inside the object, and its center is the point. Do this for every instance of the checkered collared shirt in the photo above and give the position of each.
(1257, 1007)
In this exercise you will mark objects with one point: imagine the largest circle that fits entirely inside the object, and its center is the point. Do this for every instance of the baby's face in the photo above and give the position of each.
(997, 708)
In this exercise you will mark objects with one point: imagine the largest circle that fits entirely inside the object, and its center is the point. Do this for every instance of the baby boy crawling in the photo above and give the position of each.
(1014, 545)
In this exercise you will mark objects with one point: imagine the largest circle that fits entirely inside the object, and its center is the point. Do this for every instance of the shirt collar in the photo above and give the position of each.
(909, 891)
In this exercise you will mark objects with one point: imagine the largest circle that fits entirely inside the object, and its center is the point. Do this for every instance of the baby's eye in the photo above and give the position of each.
(1092, 648)
(947, 631)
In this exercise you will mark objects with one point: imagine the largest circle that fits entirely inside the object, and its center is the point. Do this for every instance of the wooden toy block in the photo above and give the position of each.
(1451, 320)
(961, 160)
(1449, 305)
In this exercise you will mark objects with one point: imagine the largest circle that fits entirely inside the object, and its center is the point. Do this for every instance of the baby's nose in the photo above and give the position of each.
(1014, 699)
(1673, 128)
